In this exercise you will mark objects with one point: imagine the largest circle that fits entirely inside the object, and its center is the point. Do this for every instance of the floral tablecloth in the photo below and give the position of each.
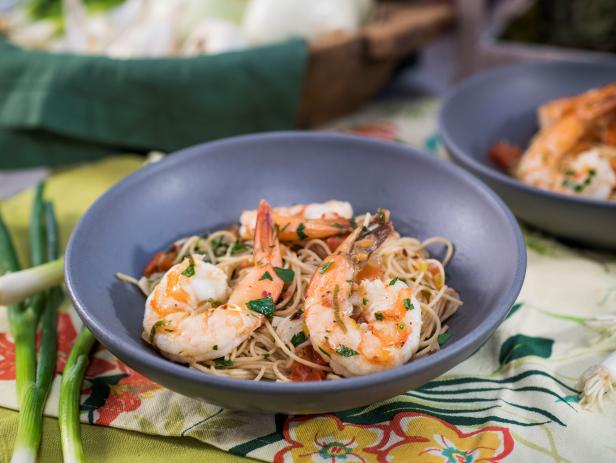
(515, 400)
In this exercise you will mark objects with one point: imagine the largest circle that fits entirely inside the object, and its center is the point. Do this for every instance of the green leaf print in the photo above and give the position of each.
(174, 424)
(514, 308)
(520, 345)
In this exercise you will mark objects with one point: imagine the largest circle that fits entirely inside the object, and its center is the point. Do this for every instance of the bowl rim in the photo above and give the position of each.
(492, 172)
(453, 351)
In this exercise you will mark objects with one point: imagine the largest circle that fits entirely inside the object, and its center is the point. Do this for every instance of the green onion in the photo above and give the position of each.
(29, 431)
(17, 286)
(68, 409)
(264, 306)
(285, 274)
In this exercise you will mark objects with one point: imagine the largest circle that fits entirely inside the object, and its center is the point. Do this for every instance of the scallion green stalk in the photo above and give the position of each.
(68, 412)
(44, 245)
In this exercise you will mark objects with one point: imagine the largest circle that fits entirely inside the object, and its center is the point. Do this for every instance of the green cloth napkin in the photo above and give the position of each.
(57, 107)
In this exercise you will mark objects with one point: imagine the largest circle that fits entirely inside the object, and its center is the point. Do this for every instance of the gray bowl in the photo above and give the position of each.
(501, 105)
(208, 185)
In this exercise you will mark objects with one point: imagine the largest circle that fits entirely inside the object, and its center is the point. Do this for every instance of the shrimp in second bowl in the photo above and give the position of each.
(192, 315)
(381, 329)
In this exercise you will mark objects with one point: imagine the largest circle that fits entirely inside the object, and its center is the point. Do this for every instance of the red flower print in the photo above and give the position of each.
(7, 358)
(66, 337)
(113, 395)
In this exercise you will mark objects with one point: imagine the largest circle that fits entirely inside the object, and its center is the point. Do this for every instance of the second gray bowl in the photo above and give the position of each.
(501, 105)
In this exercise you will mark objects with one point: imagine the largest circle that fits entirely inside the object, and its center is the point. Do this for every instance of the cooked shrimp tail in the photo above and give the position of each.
(186, 317)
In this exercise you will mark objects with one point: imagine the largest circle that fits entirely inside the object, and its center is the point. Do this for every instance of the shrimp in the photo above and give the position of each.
(590, 174)
(185, 317)
(554, 110)
(542, 164)
(382, 331)
(304, 221)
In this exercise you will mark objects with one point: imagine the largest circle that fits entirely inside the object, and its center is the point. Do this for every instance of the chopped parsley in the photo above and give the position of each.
(324, 351)
(443, 338)
(219, 246)
(364, 301)
(223, 362)
(215, 347)
(264, 306)
(155, 327)
(190, 270)
(393, 281)
(578, 187)
(285, 274)
(378, 316)
(266, 276)
(408, 304)
(239, 247)
(401, 325)
(346, 351)
(297, 314)
(298, 338)
(353, 223)
(325, 267)
(300, 232)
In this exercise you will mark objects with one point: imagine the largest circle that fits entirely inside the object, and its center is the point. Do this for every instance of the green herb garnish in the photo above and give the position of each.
(393, 281)
(325, 267)
(155, 327)
(408, 304)
(190, 270)
(223, 362)
(300, 232)
(298, 338)
(219, 246)
(401, 325)
(285, 274)
(324, 351)
(378, 316)
(346, 351)
(240, 247)
(443, 338)
(266, 276)
(297, 314)
(264, 306)
(364, 301)
(215, 347)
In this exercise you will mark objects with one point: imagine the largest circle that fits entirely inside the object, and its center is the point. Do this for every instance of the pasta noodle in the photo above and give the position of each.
(265, 355)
